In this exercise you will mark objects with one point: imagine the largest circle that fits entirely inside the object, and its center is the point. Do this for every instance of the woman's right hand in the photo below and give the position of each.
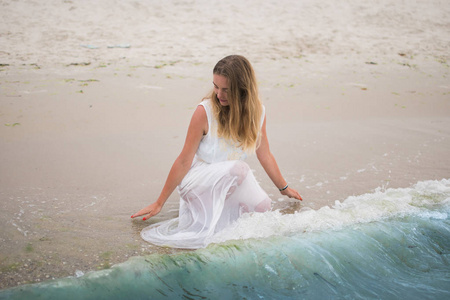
(149, 211)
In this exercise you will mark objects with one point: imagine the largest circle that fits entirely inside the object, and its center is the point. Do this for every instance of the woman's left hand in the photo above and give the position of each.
(291, 193)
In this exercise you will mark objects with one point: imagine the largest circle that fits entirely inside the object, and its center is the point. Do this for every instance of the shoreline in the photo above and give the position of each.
(356, 94)
(78, 164)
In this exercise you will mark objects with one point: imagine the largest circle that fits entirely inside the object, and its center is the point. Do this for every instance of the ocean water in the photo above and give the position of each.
(389, 244)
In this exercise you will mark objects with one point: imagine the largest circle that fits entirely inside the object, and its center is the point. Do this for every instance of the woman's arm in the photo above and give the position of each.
(270, 165)
(197, 128)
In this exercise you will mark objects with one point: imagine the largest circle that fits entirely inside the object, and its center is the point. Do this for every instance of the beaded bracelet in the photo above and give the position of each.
(284, 188)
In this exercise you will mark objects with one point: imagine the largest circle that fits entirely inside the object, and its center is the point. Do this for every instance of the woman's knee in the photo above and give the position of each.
(240, 169)
(264, 205)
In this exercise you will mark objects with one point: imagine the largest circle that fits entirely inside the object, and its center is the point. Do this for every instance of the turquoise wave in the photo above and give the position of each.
(396, 256)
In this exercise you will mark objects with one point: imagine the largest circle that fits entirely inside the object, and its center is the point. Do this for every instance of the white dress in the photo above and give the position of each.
(216, 191)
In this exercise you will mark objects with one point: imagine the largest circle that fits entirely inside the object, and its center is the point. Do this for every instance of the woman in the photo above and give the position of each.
(214, 183)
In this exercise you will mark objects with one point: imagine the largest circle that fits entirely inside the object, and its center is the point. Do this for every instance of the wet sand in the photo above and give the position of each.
(87, 136)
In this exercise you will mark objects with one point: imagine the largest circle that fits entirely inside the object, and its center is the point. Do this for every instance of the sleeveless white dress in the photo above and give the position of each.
(216, 191)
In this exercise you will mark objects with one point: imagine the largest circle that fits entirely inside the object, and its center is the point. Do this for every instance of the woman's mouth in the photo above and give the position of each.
(223, 101)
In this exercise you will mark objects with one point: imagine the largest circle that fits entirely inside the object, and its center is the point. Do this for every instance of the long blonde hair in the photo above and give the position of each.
(240, 121)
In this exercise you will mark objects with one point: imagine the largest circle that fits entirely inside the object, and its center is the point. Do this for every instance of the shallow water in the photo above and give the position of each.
(389, 244)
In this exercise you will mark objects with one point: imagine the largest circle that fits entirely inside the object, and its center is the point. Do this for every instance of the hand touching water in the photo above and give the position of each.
(291, 193)
(148, 212)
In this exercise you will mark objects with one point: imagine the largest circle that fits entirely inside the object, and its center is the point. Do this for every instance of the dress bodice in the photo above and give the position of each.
(213, 148)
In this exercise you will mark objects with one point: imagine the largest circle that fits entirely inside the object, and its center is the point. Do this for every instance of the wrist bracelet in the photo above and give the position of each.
(284, 188)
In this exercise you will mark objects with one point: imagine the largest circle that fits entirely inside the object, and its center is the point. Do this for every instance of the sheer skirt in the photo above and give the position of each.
(212, 197)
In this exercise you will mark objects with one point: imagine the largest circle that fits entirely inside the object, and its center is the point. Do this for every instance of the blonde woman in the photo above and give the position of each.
(216, 186)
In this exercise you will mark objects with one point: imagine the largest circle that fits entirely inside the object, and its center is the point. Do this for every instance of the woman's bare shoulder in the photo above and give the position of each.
(200, 119)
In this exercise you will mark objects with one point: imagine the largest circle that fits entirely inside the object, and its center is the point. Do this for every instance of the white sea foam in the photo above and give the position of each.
(377, 206)
(79, 273)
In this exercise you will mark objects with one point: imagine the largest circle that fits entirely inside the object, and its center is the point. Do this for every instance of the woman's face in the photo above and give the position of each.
(221, 88)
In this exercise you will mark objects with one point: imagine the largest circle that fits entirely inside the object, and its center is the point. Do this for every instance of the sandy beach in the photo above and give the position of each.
(95, 99)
